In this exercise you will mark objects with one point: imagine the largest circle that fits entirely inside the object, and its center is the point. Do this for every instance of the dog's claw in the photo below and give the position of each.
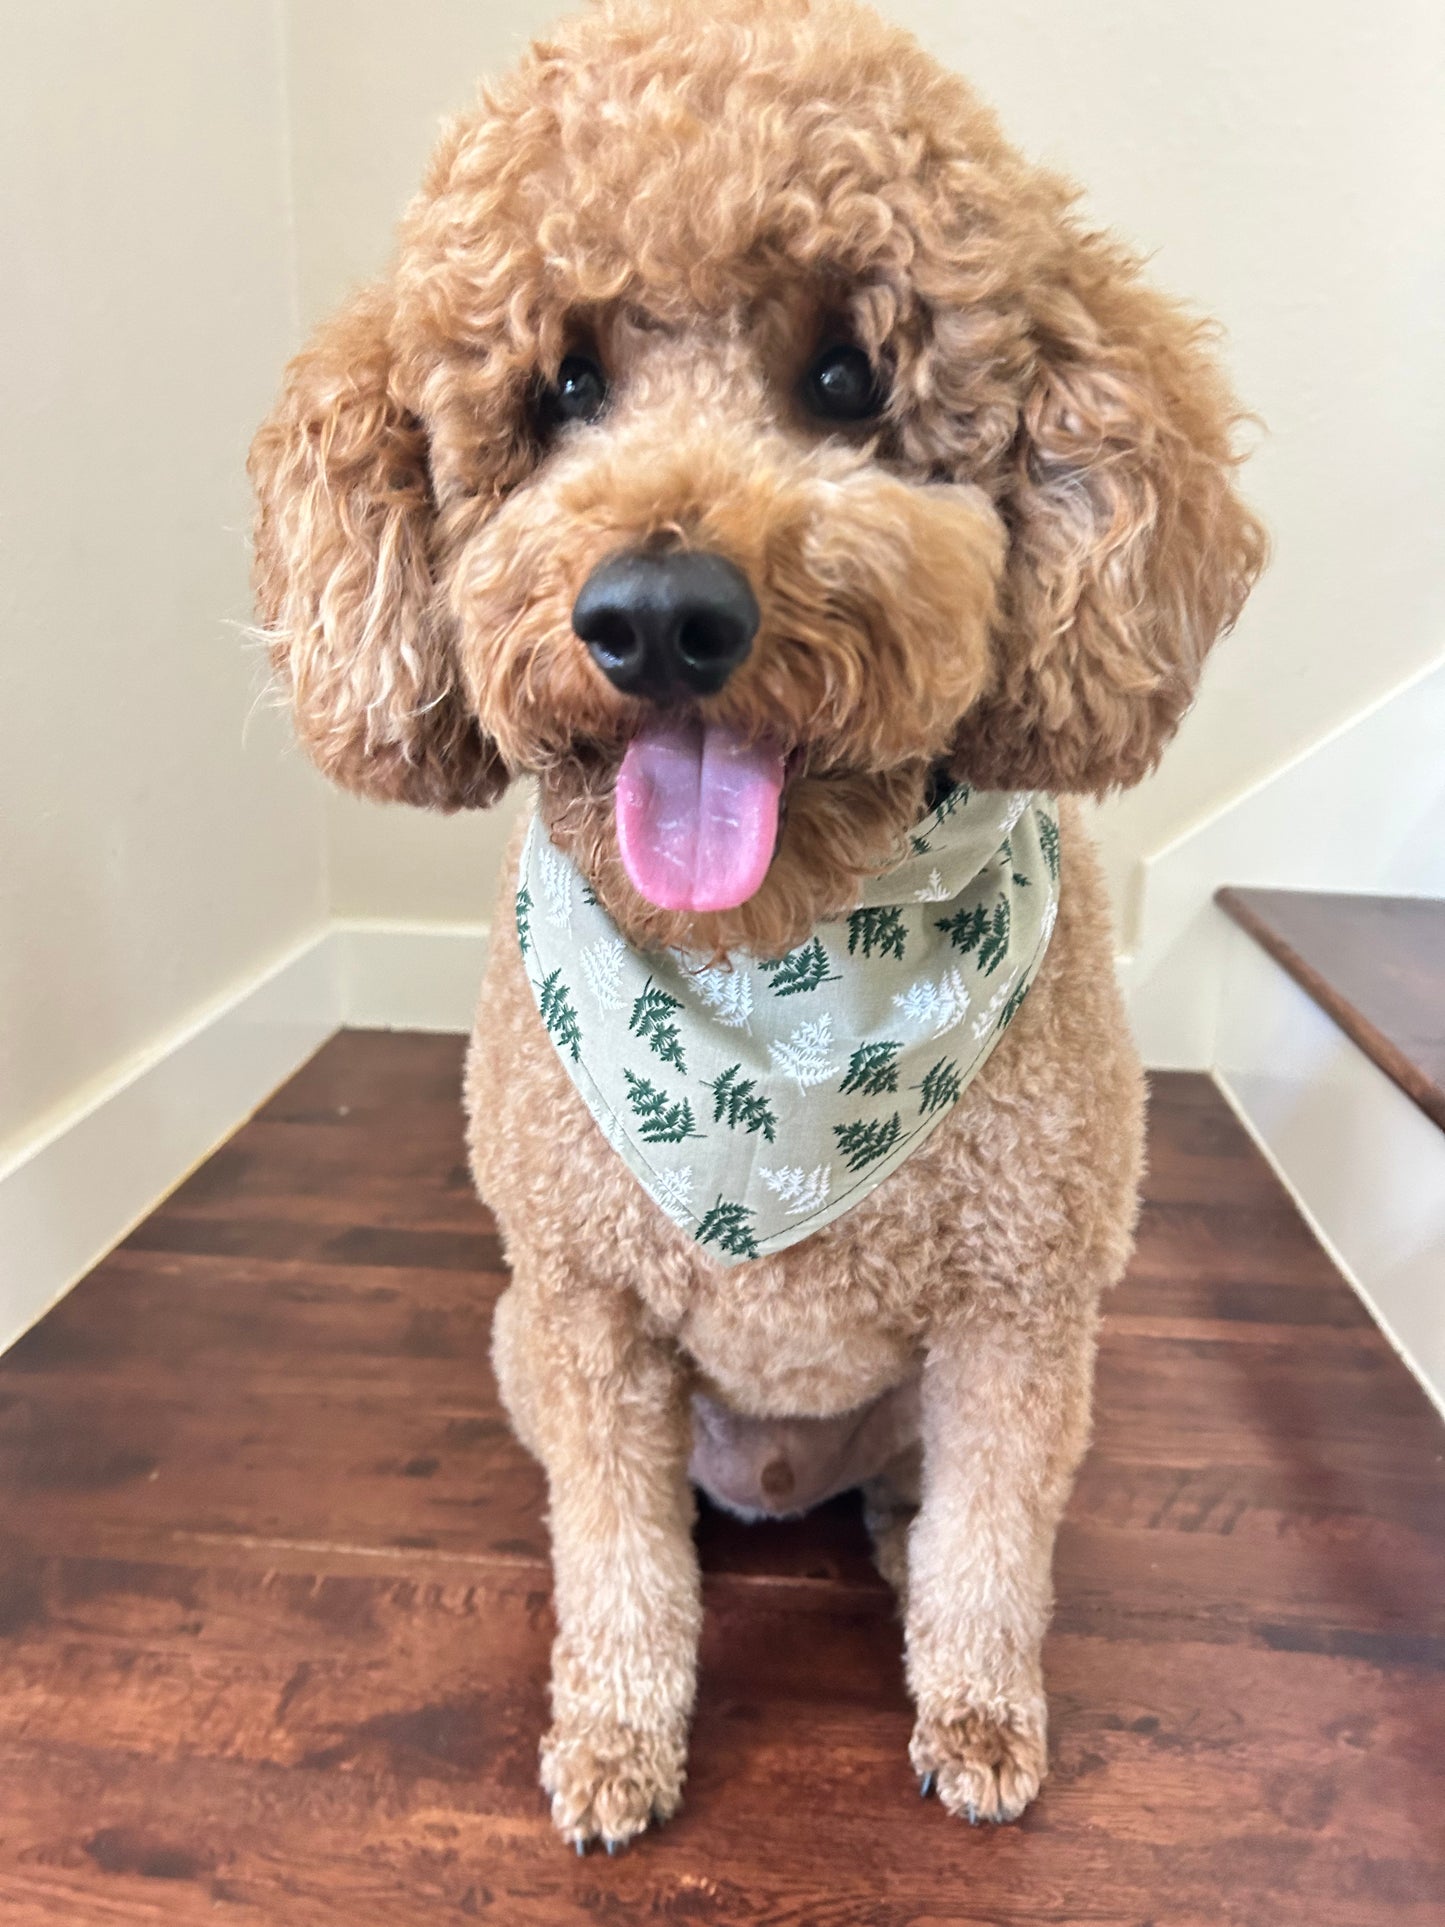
(581, 1846)
(614, 1847)
(925, 1785)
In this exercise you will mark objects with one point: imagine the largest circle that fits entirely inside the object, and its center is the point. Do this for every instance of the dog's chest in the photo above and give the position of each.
(801, 1334)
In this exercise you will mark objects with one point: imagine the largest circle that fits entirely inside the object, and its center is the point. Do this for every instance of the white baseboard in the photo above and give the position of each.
(95, 1169)
(91, 1172)
(1363, 1163)
(409, 976)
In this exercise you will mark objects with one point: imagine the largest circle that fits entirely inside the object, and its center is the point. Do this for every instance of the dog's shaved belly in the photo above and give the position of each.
(776, 1466)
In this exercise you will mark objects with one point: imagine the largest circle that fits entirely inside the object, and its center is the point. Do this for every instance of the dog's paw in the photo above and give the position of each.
(982, 1765)
(608, 1781)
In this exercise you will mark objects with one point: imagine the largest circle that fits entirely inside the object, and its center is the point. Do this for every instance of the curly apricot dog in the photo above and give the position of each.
(740, 397)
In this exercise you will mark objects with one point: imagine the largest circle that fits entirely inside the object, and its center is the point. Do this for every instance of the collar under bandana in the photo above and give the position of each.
(759, 1101)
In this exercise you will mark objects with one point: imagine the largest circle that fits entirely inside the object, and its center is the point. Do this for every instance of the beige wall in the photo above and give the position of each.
(149, 857)
(1284, 165)
(369, 83)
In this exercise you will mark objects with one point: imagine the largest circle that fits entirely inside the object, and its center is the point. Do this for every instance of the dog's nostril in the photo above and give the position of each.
(709, 637)
(612, 639)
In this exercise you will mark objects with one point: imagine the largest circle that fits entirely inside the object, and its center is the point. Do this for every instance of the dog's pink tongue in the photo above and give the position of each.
(697, 815)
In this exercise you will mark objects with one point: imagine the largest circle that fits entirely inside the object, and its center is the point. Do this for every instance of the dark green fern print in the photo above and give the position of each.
(559, 1016)
(940, 1087)
(964, 928)
(659, 1122)
(994, 948)
(977, 929)
(651, 1020)
(802, 969)
(524, 919)
(872, 1069)
(736, 1103)
(1011, 1008)
(727, 1227)
(879, 929)
(867, 1139)
(995, 945)
(939, 815)
(1049, 843)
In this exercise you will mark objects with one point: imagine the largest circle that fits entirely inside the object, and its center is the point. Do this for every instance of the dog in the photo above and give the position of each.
(751, 447)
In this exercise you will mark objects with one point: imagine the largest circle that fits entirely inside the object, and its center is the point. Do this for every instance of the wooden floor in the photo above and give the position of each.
(274, 1593)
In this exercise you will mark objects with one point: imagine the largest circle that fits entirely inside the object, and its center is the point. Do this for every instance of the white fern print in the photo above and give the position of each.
(1017, 804)
(806, 1055)
(602, 967)
(934, 891)
(934, 1006)
(988, 1016)
(798, 1190)
(673, 1191)
(728, 994)
(1046, 927)
(557, 886)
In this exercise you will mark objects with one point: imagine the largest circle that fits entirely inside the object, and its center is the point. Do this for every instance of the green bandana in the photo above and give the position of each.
(758, 1101)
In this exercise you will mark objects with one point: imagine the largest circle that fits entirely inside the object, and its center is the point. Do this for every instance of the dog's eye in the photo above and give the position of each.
(842, 386)
(579, 393)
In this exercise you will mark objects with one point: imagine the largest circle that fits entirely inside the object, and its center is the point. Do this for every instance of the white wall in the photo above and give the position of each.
(1284, 166)
(1363, 810)
(156, 851)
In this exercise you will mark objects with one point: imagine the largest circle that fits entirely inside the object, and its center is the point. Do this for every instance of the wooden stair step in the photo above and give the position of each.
(1376, 965)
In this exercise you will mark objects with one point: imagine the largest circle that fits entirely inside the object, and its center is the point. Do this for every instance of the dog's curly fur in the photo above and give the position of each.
(1014, 575)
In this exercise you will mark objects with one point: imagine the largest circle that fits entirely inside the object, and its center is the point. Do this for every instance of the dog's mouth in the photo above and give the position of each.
(696, 807)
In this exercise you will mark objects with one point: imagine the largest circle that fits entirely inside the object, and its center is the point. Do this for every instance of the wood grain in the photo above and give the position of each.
(274, 1596)
(1376, 964)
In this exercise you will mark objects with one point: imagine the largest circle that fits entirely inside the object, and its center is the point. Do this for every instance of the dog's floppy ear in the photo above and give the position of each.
(344, 580)
(1130, 552)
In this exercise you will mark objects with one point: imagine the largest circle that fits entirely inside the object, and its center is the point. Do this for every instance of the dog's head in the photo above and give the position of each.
(745, 433)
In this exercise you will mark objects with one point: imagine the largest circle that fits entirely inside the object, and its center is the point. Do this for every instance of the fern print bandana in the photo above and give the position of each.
(760, 1101)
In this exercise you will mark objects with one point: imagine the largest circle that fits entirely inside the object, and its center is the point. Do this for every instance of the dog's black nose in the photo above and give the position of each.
(663, 626)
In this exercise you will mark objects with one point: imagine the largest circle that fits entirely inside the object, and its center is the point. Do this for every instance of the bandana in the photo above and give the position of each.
(758, 1100)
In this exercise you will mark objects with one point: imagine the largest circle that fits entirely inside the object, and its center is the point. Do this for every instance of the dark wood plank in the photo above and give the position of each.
(1376, 964)
(274, 1594)
(352, 1748)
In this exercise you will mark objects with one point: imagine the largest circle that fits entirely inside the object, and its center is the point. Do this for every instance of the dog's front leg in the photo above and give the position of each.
(604, 1407)
(1005, 1414)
